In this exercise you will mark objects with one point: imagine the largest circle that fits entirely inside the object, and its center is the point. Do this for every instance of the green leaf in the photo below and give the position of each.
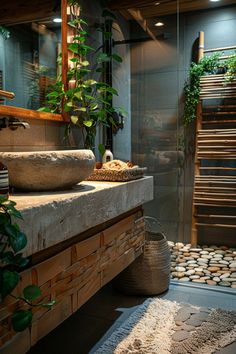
(74, 119)
(20, 261)
(90, 82)
(117, 58)
(93, 106)
(9, 282)
(10, 208)
(88, 123)
(103, 57)
(101, 84)
(67, 108)
(91, 98)
(53, 94)
(72, 23)
(74, 60)
(44, 109)
(79, 38)
(121, 111)
(10, 203)
(78, 95)
(17, 238)
(81, 109)
(83, 72)
(21, 320)
(14, 212)
(7, 257)
(83, 22)
(85, 63)
(101, 149)
(32, 292)
(108, 89)
(3, 199)
(85, 47)
(74, 48)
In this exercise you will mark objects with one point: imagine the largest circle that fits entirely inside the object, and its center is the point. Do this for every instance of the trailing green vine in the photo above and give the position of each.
(207, 65)
(230, 65)
(89, 97)
(12, 261)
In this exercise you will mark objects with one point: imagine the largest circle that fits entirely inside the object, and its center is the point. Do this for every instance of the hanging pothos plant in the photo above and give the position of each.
(207, 65)
(12, 261)
(89, 97)
(230, 65)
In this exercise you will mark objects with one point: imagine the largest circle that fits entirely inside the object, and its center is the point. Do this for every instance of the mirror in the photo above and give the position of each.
(30, 42)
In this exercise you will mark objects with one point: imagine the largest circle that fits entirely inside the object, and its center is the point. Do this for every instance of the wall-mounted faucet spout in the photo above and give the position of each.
(12, 123)
(7, 94)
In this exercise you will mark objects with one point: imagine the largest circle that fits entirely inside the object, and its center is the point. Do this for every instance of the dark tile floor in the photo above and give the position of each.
(83, 332)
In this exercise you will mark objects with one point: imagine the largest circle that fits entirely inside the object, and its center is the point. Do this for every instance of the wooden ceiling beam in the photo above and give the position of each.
(126, 4)
(136, 14)
(19, 11)
(148, 9)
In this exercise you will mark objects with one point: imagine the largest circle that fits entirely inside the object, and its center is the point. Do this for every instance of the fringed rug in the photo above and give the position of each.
(163, 327)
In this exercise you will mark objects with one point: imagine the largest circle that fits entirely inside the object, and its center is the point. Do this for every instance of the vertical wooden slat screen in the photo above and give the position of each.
(214, 192)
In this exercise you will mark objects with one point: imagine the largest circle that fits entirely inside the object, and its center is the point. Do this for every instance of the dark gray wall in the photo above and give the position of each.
(159, 139)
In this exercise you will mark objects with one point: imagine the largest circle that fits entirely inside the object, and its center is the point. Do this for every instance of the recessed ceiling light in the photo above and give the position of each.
(157, 3)
(57, 20)
(159, 24)
(214, 0)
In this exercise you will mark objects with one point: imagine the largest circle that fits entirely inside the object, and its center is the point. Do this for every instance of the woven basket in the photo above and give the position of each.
(117, 176)
(149, 274)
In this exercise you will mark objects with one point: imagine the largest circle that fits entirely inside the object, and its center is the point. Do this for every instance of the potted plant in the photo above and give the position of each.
(88, 100)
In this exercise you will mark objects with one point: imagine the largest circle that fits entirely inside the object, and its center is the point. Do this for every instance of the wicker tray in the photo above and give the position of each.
(117, 176)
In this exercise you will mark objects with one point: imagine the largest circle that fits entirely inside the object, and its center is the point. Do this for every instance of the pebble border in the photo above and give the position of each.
(212, 265)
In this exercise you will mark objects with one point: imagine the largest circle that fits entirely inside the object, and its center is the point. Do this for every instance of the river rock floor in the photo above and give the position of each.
(212, 265)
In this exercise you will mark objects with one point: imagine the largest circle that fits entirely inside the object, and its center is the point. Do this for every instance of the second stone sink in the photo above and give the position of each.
(48, 170)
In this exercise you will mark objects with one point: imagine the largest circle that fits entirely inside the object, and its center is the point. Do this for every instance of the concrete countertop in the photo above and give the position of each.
(53, 217)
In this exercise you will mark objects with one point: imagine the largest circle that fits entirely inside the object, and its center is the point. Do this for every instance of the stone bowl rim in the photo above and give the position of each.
(44, 152)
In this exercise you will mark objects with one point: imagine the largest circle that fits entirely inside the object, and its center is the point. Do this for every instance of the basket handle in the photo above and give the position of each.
(149, 219)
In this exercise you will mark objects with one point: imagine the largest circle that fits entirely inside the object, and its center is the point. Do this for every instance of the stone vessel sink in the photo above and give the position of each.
(48, 170)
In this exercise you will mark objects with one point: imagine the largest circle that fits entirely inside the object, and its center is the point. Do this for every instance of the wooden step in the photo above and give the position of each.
(216, 225)
(228, 121)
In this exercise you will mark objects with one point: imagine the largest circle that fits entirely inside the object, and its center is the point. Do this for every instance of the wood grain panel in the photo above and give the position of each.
(72, 277)
(22, 11)
(23, 113)
(148, 8)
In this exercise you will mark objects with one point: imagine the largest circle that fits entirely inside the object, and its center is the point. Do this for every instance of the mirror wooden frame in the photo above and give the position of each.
(23, 113)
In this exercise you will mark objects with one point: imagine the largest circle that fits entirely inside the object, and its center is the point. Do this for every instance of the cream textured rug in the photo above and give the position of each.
(163, 327)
